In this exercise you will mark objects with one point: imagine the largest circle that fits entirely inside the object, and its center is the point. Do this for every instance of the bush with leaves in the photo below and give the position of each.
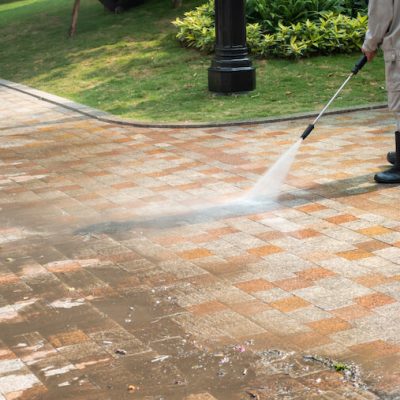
(270, 12)
(354, 7)
(330, 33)
(197, 29)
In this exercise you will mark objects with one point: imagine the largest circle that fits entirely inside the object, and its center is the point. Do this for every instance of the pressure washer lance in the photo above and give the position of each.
(360, 63)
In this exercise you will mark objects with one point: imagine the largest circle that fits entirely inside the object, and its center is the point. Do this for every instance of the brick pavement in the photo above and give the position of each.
(128, 270)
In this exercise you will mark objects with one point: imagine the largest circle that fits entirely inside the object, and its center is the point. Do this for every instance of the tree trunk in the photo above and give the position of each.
(74, 21)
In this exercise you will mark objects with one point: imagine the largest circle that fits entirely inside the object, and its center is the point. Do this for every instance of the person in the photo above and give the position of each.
(384, 31)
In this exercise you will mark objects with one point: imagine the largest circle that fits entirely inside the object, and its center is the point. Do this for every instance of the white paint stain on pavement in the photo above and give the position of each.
(67, 303)
(58, 371)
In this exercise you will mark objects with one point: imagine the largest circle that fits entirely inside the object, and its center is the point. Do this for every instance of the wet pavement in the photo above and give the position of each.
(130, 268)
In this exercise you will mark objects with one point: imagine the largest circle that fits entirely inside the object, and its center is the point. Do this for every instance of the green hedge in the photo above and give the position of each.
(330, 33)
(269, 13)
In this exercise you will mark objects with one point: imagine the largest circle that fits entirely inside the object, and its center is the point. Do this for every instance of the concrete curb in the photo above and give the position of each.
(112, 119)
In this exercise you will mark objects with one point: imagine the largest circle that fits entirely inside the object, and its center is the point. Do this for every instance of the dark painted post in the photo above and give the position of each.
(231, 70)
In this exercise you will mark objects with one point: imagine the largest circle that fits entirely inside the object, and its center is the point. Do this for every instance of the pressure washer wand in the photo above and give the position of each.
(357, 67)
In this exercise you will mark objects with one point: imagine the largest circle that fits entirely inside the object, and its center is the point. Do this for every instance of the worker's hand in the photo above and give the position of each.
(369, 54)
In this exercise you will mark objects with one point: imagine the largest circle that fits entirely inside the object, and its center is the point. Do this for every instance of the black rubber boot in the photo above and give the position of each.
(391, 175)
(391, 157)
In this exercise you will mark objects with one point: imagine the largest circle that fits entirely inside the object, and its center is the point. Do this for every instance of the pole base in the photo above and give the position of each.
(231, 80)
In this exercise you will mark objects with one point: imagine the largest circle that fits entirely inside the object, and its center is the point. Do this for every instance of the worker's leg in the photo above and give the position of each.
(392, 175)
(392, 72)
(391, 156)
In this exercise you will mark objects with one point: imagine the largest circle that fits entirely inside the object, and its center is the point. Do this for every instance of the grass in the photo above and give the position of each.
(132, 66)
(338, 367)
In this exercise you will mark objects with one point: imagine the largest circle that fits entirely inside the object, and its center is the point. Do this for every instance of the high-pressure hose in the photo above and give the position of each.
(357, 67)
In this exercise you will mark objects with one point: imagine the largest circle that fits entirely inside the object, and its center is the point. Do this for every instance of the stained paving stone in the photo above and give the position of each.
(132, 267)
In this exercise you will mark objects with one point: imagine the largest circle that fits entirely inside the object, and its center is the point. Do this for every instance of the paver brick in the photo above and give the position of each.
(293, 283)
(289, 304)
(265, 250)
(339, 219)
(372, 280)
(376, 349)
(352, 312)
(255, 285)
(315, 274)
(374, 300)
(196, 253)
(330, 325)
(250, 307)
(207, 308)
(354, 254)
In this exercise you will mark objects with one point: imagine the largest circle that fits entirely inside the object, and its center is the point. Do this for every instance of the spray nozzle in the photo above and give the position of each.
(307, 131)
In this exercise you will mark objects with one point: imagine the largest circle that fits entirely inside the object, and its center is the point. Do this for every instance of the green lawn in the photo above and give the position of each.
(131, 65)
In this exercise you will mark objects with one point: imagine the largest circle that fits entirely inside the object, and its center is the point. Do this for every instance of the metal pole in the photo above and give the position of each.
(231, 69)
(332, 99)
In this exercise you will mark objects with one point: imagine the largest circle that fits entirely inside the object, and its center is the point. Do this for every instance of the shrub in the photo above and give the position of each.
(330, 33)
(354, 7)
(270, 12)
(197, 29)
